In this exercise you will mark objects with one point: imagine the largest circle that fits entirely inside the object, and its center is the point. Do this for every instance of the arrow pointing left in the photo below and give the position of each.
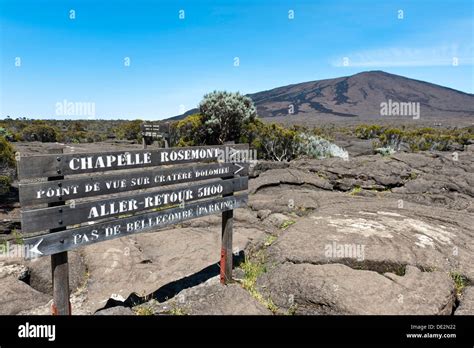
(35, 248)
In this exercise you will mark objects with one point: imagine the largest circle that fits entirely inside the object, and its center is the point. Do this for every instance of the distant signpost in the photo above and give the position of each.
(204, 180)
(152, 131)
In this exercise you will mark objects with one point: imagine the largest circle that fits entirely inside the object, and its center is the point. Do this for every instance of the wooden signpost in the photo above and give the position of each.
(146, 191)
(151, 131)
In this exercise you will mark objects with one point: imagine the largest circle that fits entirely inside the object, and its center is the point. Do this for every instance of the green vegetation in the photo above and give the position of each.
(368, 132)
(269, 240)
(5, 182)
(68, 131)
(188, 131)
(253, 268)
(5, 133)
(224, 114)
(177, 311)
(275, 142)
(7, 154)
(7, 165)
(130, 130)
(18, 237)
(416, 139)
(143, 310)
(287, 223)
(232, 117)
(460, 282)
(355, 190)
(385, 151)
(40, 131)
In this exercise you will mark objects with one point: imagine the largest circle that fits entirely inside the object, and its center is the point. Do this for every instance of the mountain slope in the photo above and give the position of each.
(359, 96)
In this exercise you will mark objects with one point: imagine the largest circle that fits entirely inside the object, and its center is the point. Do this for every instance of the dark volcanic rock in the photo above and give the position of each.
(338, 289)
(211, 298)
(16, 295)
(287, 176)
(262, 166)
(466, 303)
(40, 273)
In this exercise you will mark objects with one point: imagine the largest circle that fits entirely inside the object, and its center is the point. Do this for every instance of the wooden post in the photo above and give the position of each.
(144, 142)
(226, 248)
(60, 267)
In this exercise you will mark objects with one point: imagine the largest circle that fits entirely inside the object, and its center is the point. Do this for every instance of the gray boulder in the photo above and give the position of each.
(211, 298)
(17, 296)
(466, 302)
(338, 289)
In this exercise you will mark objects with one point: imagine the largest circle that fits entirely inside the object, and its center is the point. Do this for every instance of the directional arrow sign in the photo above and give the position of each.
(97, 185)
(53, 217)
(240, 168)
(233, 152)
(56, 242)
(35, 250)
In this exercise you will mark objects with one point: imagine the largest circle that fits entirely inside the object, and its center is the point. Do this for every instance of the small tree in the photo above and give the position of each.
(224, 114)
(188, 131)
(130, 130)
(40, 132)
(7, 165)
(278, 143)
(7, 154)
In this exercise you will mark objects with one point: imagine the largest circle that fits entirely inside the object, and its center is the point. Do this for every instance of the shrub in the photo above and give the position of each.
(253, 133)
(368, 132)
(129, 130)
(7, 154)
(391, 137)
(188, 131)
(7, 165)
(385, 151)
(224, 115)
(5, 182)
(5, 133)
(316, 147)
(277, 142)
(82, 137)
(40, 132)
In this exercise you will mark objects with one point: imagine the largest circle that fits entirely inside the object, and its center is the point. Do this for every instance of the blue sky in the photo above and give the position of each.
(174, 62)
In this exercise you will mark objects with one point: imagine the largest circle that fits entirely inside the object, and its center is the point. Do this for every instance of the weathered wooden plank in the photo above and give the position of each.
(89, 186)
(53, 243)
(46, 218)
(80, 163)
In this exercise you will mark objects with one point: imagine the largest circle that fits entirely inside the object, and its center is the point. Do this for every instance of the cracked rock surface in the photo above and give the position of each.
(371, 235)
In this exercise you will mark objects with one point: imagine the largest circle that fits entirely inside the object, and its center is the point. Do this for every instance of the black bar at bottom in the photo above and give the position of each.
(283, 330)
